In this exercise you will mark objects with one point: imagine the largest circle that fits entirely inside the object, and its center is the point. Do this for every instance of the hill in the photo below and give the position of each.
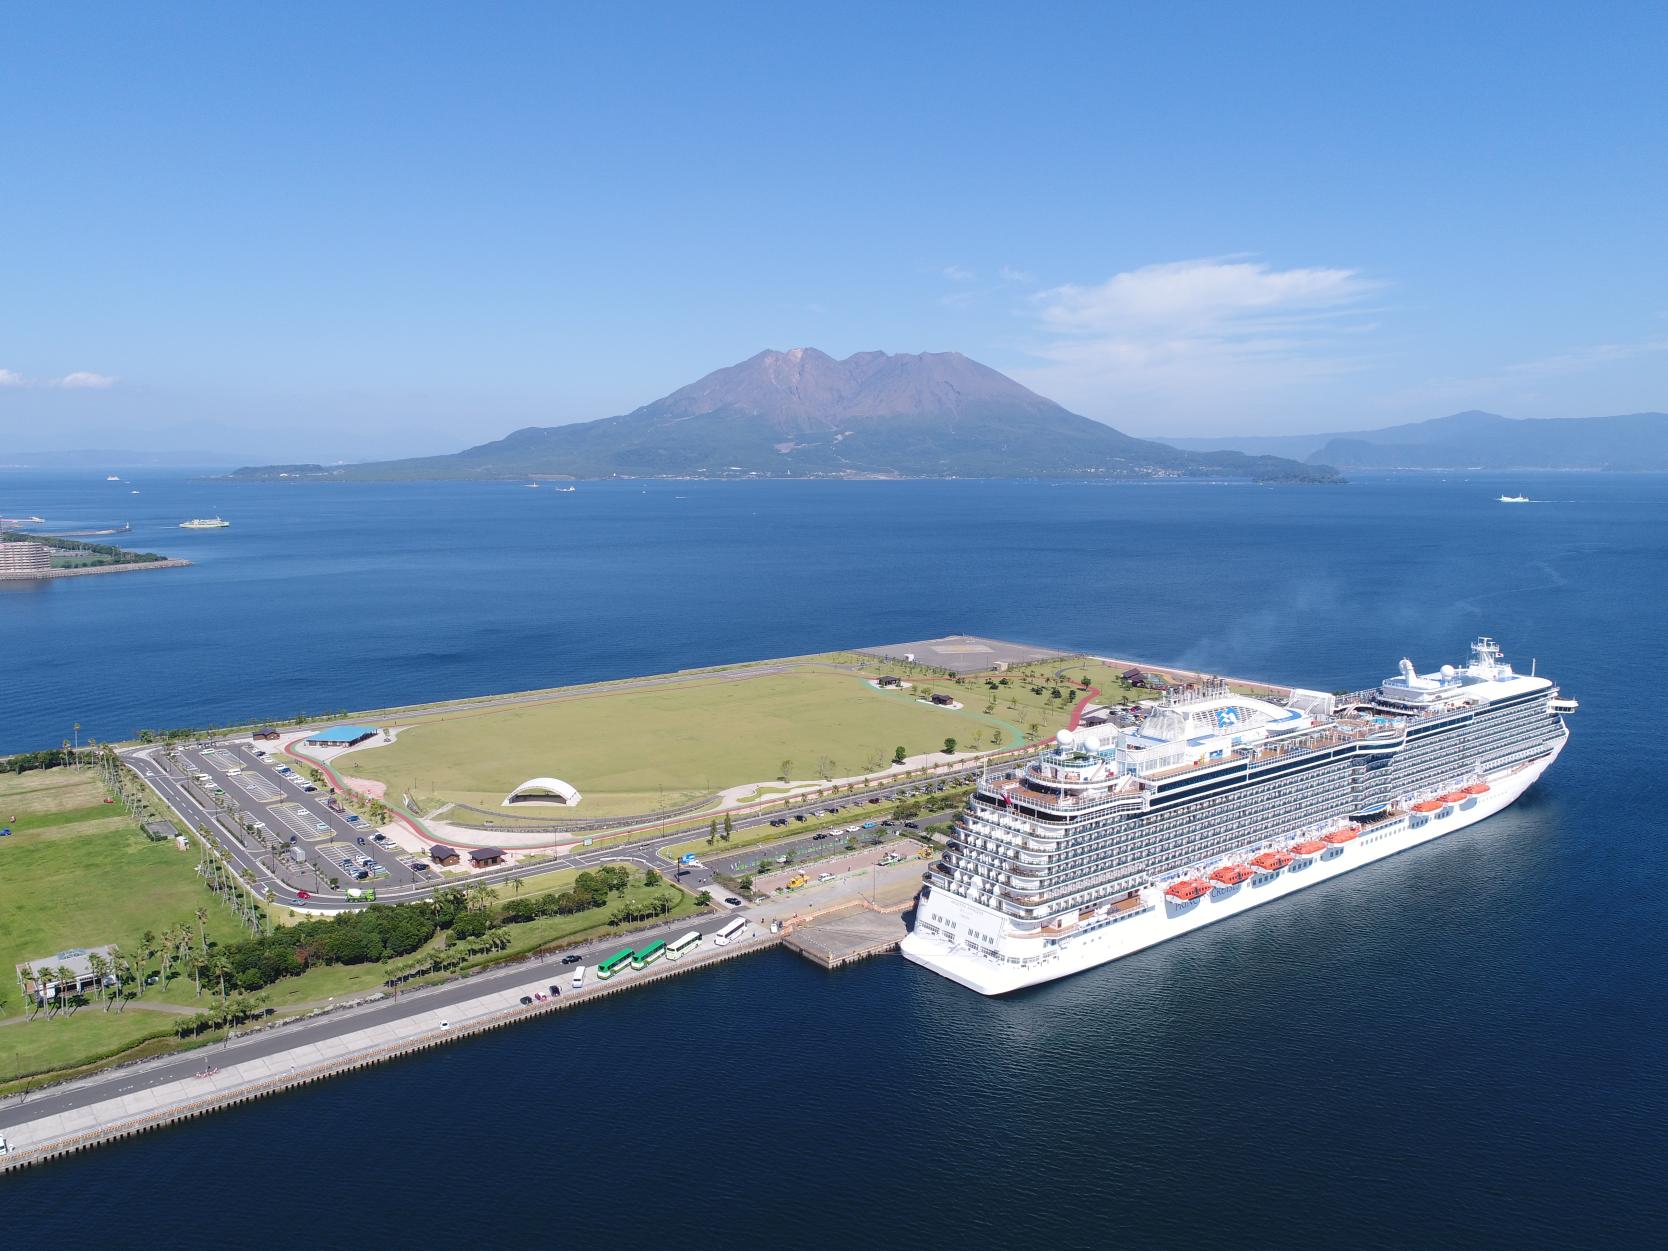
(1475, 440)
(802, 413)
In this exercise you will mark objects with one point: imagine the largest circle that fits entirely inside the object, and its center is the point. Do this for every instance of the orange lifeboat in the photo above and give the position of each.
(1477, 788)
(1308, 848)
(1339, 837)
(1428, 805)
(1230, 875)
(1455, 797)
(1271, 861)
(1188, 890)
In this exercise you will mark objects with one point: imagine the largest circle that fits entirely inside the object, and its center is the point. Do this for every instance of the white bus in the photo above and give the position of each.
(732, 930)
(687, 942)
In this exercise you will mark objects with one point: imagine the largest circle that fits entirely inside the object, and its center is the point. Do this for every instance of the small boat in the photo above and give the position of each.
(1308, 849)
(1477, 788)
(1187, 891)
(1229, 876)
(110, 477)
(1514, 499)
(1271, 861)
(531, 486)
(1428, 805)
(204, 523)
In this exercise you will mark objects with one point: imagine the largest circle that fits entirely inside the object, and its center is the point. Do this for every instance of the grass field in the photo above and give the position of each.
(631, 750)
(76, 873)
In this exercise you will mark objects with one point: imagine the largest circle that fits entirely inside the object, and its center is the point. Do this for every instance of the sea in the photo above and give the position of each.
(1462, 1046)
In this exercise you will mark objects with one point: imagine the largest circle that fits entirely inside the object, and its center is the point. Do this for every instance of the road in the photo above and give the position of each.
(538, 974)
(251, 789)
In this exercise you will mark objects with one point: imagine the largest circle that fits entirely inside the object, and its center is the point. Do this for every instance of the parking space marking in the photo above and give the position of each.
(260, 790)
(300, 821)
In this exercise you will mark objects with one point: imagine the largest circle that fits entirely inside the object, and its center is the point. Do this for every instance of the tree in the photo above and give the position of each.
(703, 899)
(651, 877)
(202, 934)
(786, 769)
(729, 827)
(949, 747)
(746, 884)
(712, 831)
(899, 755)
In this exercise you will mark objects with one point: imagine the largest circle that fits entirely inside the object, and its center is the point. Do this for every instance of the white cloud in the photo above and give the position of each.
(957, 273)
(1022, 277)
(80, 380)
(1212, 340)
(84, 380)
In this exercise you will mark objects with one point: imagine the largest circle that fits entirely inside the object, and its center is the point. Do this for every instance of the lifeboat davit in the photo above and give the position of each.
(1308, 848)
(1229, 876)
(1428, 805)
(1339, 837)
(1477, 788)
(1188, 890)
(1271, 861)
(1455, 797)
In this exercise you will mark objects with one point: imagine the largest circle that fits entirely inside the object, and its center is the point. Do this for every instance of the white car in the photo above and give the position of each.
(825, 877)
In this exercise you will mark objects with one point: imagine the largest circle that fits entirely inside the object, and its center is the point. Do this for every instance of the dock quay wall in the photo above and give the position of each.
(112, 1119)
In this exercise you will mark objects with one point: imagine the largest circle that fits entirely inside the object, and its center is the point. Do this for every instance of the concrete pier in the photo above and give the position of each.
(851, 934)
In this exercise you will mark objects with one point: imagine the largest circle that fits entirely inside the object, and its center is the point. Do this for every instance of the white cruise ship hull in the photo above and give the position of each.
(1168, 919)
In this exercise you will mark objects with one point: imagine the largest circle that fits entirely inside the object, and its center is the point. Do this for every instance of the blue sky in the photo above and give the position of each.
(351, 230)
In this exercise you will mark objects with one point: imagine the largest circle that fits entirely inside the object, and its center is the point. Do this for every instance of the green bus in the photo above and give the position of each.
(648, 955)
(615, 963)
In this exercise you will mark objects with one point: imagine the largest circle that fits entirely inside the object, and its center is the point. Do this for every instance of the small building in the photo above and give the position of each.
(485, 857)
(887, 679)
(67, 973)
(341, 736)
(1133, 677)
(942, 700)
(442, 855)
(160, 831)
(267, 734)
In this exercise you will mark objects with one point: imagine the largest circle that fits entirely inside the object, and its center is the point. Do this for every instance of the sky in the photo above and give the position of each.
(316, 232)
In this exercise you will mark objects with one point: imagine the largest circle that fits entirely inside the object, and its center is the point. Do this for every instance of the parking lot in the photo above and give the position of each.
(293, 809)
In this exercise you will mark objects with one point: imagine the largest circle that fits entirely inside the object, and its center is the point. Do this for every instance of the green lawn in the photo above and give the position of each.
(637, 750)
(76, 873)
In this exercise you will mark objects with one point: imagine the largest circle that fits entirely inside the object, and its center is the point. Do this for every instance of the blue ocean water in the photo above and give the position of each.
(1459, 1046)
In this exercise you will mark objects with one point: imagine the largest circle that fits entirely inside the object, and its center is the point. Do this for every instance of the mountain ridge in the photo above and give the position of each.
(1474, 439)
(802, 413)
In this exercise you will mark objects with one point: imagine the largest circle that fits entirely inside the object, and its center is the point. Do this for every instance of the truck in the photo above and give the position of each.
(797, 880)
(361, 896)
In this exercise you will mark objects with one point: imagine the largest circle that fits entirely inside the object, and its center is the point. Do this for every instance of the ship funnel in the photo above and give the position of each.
(1407, 669)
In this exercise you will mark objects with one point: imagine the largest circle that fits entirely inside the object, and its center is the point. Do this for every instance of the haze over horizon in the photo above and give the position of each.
(316, 234)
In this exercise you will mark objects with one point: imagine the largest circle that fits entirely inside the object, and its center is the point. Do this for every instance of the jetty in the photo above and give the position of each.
(848, 934)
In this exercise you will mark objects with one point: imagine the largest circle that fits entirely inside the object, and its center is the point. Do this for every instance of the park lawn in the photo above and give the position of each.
(639, 750)
(76, 873)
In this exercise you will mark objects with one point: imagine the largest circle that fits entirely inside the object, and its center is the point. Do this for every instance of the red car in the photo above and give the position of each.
(301, 894)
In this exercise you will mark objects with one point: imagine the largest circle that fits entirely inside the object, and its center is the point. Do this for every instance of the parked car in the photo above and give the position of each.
(419, 866)
(733, 901)
(526, 1000)
(571, 958)
(825, 877)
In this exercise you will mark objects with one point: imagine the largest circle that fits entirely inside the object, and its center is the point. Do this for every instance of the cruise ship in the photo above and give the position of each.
(1211, 802)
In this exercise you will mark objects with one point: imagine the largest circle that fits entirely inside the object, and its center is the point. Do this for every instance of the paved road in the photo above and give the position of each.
(196, 805)
(538, 974)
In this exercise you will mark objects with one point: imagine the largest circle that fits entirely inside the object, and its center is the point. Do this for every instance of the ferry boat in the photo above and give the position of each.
(204, 523)
(1117, 838)
(1514, 499)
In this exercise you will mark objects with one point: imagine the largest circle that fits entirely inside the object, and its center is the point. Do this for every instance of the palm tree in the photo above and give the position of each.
(99, 966)
(148, 939)
(202, 934)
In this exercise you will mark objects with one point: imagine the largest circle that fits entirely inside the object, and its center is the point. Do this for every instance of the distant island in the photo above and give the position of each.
(803, 414)
(1473, 440)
